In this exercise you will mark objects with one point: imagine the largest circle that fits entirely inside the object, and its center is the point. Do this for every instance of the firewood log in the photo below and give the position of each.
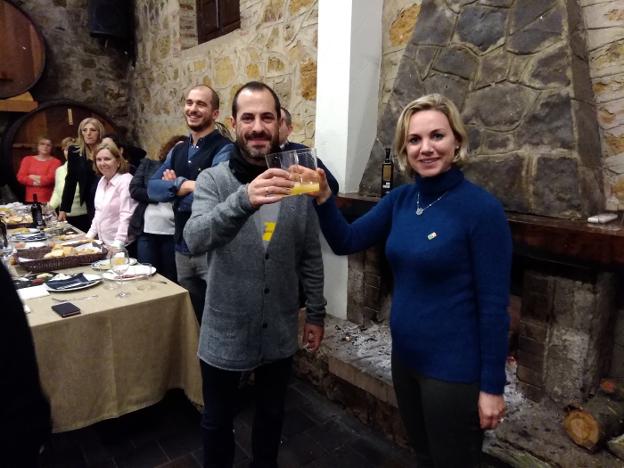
(616, 446)
(591, 425)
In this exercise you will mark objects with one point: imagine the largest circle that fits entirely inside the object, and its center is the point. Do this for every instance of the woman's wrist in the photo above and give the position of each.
(323, 197)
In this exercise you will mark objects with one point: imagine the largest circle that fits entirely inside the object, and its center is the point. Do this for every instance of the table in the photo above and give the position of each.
(119, 355)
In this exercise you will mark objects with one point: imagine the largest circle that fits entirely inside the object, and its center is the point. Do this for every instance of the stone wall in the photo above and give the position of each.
(519, 73)
(565, 336)
(276, 43)
(399, 18)
(369, 285)
(604, 20)
(78, 67)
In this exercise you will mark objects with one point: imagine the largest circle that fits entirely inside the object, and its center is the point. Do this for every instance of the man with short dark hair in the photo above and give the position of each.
(286, 128)
(174, 182)
(260, 243)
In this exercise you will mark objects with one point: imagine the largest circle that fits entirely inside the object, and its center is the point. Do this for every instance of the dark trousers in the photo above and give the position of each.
(82, 222)
(441, 418)
(220, 391)
(159, 251)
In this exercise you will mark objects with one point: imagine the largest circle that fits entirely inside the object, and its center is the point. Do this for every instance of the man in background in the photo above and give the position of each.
(174, 182)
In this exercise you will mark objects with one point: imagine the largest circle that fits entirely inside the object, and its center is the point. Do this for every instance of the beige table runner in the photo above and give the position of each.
(119, 355)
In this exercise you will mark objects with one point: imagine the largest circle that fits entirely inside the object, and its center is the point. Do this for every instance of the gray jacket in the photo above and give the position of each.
(252, 299)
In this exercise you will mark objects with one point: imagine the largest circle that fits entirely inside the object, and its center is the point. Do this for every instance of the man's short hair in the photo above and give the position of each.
(287, 117)
(256, 86)
(214, 97)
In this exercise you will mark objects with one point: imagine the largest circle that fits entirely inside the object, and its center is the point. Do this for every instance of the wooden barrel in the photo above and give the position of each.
(22, 51)
(54, 119)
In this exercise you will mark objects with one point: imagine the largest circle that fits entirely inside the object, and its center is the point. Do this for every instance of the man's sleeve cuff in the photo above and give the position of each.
(177, 183)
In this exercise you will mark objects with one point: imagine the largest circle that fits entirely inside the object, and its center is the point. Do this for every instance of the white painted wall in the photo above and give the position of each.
(348, 68)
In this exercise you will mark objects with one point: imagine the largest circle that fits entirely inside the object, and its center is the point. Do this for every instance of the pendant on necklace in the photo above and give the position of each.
(419, 211)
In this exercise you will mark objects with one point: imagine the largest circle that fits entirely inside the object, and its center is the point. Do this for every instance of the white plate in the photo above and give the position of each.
(104, 264)
(35, 237)
(93, 280)
(134, 272)
(33, 245)
(30, 231)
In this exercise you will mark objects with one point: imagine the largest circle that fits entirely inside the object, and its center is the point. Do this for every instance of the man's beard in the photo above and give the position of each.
(257, 157)
(204, 124)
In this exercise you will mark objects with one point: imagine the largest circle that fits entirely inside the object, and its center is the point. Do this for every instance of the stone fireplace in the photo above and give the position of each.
(518, 72)
(564, 345)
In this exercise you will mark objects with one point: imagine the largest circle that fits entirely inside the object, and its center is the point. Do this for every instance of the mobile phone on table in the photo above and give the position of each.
(66, 309)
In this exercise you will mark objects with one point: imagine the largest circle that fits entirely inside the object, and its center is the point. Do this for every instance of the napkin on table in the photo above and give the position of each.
(71, 282)
(32, 292)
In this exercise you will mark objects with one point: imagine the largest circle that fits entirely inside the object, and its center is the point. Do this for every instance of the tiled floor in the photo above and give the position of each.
(317, 433)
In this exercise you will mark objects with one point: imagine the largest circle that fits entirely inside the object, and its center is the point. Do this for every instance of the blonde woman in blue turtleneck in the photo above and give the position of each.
(449, 247)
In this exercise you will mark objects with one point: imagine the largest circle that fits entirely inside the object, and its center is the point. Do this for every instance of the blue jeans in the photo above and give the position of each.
(220, 391)
(158, 250)
(192, 270)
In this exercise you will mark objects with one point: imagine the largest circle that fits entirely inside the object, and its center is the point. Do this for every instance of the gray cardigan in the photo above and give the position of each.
(252, 300)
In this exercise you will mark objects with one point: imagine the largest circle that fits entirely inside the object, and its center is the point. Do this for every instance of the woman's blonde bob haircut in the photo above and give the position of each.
(84, 149)
(429, 102)
(123, 164)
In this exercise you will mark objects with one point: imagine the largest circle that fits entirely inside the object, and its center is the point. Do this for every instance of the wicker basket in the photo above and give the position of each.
(39, 264)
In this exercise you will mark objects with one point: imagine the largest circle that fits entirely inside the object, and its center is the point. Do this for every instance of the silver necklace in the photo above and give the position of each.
(420, 210)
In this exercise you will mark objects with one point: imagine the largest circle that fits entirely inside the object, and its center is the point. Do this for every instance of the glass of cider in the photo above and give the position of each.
(301, 165)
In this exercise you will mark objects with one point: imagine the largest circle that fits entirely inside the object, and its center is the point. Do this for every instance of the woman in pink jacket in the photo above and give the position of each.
(113, 204)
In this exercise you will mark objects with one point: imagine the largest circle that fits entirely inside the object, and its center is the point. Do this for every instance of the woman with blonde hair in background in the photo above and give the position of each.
(81, 174)
(449, 246)
(113, 204)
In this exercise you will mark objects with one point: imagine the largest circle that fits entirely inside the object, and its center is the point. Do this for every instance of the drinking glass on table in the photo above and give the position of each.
(144, 270)
(120, 262)
(5, 256)
(301, 165)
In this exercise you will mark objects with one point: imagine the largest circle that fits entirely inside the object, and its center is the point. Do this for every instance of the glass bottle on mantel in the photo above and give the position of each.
(387, 170)
(37, 213)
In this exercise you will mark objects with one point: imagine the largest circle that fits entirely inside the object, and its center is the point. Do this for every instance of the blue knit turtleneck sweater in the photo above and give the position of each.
(451, 268)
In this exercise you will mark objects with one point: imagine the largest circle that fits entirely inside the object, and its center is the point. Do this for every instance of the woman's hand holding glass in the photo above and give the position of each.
(324, 192)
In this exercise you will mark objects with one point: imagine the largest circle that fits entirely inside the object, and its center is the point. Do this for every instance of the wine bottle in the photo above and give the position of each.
(37, 213)
(4, 242)
(387, 169)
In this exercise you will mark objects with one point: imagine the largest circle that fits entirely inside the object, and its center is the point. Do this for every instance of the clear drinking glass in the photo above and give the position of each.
(119, 262)
(301, 164)
(145, 272)
(5, 255)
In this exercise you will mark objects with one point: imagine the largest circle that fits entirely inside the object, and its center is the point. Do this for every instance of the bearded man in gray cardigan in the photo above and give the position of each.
(259, 245)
